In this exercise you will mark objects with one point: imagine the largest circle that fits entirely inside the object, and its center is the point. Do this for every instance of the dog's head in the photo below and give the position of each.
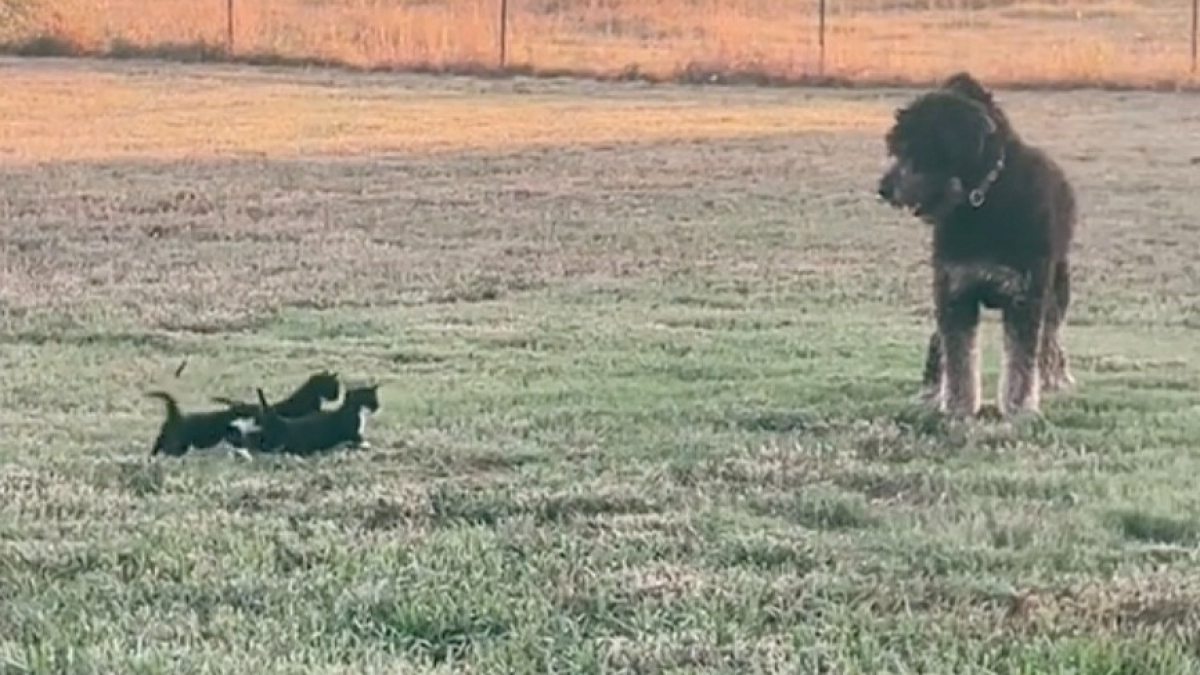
(944, 146)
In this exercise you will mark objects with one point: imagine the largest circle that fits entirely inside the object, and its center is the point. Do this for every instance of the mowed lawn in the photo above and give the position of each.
(647, 357)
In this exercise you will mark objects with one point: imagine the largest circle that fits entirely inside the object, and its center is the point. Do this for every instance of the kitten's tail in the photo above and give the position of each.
(172, 406)
(240, 408)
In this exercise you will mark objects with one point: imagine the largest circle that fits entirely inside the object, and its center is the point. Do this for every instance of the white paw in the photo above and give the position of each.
(1059, 382)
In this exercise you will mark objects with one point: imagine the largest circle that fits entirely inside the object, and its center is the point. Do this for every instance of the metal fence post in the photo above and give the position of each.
(229, 26)
(503, 33)
(1195, 31)
(821, 37)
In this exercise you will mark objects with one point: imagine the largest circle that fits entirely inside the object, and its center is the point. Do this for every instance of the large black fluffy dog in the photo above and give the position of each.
(1003, 216)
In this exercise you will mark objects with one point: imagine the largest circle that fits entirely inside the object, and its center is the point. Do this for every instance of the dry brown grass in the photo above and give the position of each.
(80, 114)
(1113, 42)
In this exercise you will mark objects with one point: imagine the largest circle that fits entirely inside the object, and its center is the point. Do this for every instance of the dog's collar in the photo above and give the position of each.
(977, 196)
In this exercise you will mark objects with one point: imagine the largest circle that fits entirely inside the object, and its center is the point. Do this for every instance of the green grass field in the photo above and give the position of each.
(646, 386)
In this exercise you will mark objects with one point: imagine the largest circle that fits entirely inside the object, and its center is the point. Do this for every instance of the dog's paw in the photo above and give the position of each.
(959, 410)
(1020, 415)
(989, 412)
(1058, 382)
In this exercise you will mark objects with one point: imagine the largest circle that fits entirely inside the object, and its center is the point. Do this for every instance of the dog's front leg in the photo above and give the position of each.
(958, 326)
(1023, 317)
(932, 375)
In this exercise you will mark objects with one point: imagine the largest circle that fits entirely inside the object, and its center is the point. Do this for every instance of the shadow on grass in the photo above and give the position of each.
(1148, 527)
(478, 506)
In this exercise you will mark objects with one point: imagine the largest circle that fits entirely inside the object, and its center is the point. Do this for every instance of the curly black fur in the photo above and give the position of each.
(1003, 215)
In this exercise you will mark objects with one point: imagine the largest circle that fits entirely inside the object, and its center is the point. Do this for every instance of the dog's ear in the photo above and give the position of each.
(985, 128)
(963, 130)
(965, 84)
(991, 124)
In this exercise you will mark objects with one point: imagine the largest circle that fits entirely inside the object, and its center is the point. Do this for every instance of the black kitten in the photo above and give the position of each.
(322, 430)
(307, 399)
(181, 432)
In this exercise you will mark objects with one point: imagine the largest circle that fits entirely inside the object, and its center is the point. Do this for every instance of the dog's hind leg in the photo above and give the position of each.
(1052, 359)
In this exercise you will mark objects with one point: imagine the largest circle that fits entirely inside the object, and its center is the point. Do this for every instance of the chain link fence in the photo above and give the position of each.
(1134, 42)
